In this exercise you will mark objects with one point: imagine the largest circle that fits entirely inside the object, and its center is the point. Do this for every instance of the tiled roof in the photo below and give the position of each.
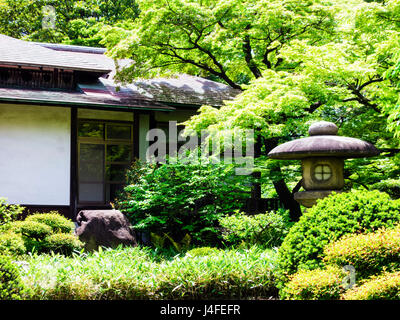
(179, 90)
(185, 89)
(96, 95)
(24, 53)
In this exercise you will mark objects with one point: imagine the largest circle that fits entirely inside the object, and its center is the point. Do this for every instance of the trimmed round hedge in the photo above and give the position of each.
(41, 233)
(383, 287)
(315, 284)
(369, 254)
(53, 219)
(11, 244)
(330, 219)
(63, 243)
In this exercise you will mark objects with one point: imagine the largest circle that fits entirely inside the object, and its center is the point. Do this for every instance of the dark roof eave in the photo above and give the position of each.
(188, 105)
(85, 104)
(18, 64)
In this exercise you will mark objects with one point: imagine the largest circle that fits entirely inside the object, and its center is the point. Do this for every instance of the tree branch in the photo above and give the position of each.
(248, 56)
(205, 67)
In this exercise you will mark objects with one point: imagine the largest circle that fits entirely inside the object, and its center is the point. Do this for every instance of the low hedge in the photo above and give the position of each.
(57, 222)
(369, 253)
(383, 287)
(31, 229)
(40, 233)
(317, 284)
(63, 243)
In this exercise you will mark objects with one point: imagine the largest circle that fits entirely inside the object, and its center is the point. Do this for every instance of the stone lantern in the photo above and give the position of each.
(322, 159)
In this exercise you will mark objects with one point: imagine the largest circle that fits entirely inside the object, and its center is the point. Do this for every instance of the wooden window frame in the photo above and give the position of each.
(104, 142)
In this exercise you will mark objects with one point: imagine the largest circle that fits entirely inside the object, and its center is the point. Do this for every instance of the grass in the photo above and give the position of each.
(137, 273)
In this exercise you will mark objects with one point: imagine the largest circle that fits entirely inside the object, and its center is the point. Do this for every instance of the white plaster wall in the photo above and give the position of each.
(35, 154)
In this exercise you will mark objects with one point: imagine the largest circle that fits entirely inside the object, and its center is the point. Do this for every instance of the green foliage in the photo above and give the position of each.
(39, 233)
(369, 253)
(329, 220)
(62, 243)
(179, 199)
(231, 40)
(76, 22)
(182, 245)
(131, 273)
(375, 257)
(9, 212)
(32, 229)
(33, 233)
(267, 230)
(179, 246)
(379, 173)
(390, 186)
(11, 286)
(383, 287)
(315, 284)
(11, 244)
(54, 220)
(339, 77)
(202, 251)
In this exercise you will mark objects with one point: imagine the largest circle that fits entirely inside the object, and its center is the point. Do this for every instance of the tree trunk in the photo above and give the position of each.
(284, 194)
(287, 200)
(256, 187)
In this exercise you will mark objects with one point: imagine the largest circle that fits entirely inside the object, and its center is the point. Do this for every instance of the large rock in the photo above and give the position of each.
(108, 228)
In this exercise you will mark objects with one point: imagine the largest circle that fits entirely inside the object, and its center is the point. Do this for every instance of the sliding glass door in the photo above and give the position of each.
(104, 154)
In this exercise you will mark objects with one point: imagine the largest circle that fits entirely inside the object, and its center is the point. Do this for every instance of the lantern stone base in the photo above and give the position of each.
(309, 198)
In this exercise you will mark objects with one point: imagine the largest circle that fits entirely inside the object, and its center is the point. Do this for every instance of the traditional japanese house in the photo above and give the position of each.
(68, 131)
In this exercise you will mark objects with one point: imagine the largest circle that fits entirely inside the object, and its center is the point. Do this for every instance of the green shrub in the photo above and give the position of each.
(329, 220)
(202, 251)
(11, 286)
(44, 236)
(33, 233)
(389, 186)
(317, 284)
(369, 253)
(383, 287)
(11, 244)
(179, 199)
(61, 243)
(267, 229)
(53, 219)
(8, 212)
(33, 230)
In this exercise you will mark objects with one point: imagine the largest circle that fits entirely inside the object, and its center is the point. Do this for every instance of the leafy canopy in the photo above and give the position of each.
(75, 22)
(231, 40)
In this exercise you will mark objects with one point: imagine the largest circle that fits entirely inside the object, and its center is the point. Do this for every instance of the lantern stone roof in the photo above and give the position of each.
(323, 142)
